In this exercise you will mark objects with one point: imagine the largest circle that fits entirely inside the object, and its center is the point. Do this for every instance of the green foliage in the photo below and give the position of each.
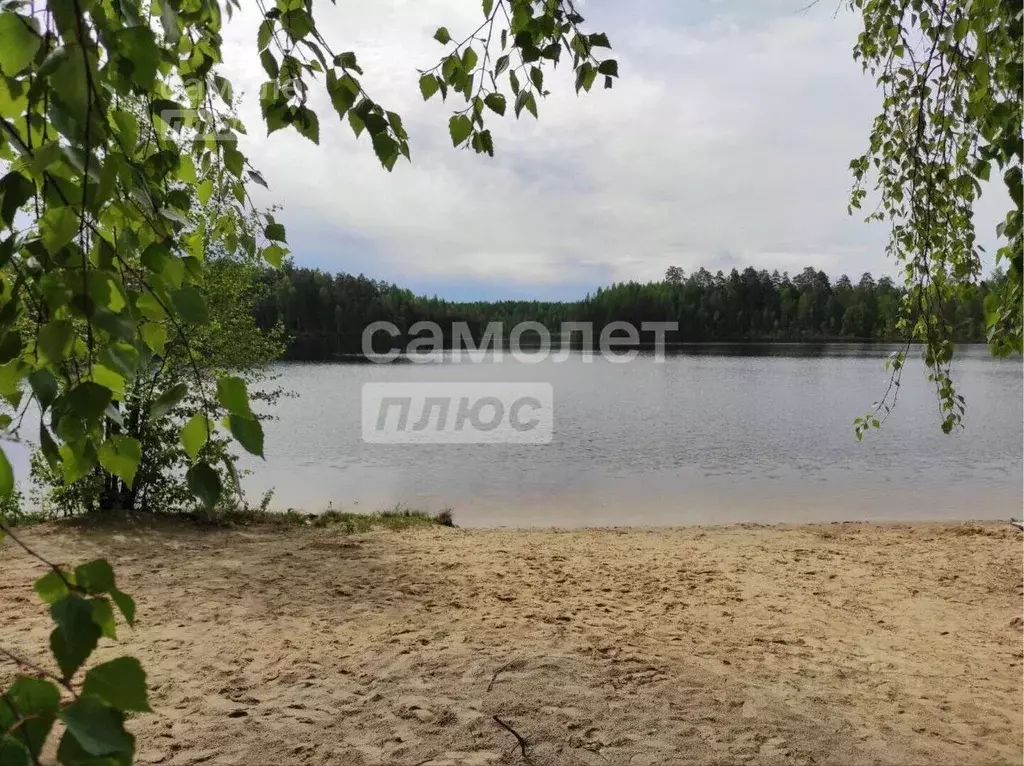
(82, 605)
(951, 73)
(507, 52)
(325, 314)
(109, 121)
(110, 316)
(12, 512)
(397, 518)
(158, 406)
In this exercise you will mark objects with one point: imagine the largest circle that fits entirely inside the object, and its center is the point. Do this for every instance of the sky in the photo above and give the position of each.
(725, 143)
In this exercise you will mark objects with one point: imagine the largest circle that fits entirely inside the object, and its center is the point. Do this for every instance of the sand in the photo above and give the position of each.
(825, 644)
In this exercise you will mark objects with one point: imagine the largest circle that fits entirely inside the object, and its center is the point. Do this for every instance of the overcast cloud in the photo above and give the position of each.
(725, 143)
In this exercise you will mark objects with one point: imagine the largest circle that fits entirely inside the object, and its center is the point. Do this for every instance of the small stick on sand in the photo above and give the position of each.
(502, 669)
(522, 742)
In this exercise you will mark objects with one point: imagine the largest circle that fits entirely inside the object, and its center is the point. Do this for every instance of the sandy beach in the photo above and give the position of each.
(824, 644)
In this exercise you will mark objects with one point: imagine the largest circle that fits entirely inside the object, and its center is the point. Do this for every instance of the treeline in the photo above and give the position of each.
(324, 314)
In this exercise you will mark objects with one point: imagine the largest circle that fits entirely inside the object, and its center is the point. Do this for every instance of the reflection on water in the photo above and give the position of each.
(715, 433)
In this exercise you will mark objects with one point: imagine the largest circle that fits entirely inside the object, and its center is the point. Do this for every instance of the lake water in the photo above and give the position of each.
(710, 435)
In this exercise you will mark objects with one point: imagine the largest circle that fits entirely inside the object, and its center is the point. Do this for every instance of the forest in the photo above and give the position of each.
(324, 314)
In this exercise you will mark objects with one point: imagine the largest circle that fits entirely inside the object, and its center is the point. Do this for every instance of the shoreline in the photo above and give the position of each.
(353, 522)
(835, 642)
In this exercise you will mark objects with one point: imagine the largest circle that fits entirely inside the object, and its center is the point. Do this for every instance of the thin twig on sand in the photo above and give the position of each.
(500, 670)
(523, 744)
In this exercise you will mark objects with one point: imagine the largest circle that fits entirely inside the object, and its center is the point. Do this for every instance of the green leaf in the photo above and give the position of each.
(347, 60)
(44, 386)
(356, 122)
(343, 92)
(274, 254)
(537, 77)
(395, 120)
(158, 259)
(274, 232)
(88, 400)
(248, 432)
(76, 634)
(307, 123)
(97, 728)
(58, 226)
(15, 191)
(204, 191)
(6, 475)
(187, 170)
(386, 149)
(49, 447)
(269, 65)
(459, 126)
(27, 712)
(125, 603)
(442, 35)
(127, 128)
(204, 483)
(10, 346)
(70, 91)
(982, 169)
(232, 395)
(167, 400)
(599, 40)
(103, 615)
(451, 69)
(488, 7)
(233, 161)
(120, 455)
(585, 77)
(141, 53)
(195, 433)
(297, 23)
(154, 336)
(526, 101)
(121, 683)
(495, 102)
(428, 86)
(74, 464)
(14, 753)
(169, 21)
(51, 587)
(257, 177)
(190, 305)
(19, 42)
(265, 35)
(54, 339)
(609, 67)
(469, 59)
(375, 123)
(94, 577)
(225, 90)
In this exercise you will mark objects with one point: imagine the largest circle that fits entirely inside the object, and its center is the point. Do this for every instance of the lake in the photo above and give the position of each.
(708, 435)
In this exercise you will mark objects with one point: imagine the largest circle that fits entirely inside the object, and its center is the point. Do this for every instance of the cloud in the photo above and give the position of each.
(726, 142)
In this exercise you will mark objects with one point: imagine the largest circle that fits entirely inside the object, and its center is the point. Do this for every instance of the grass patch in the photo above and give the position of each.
(24, 519)
(394, 519)
(397, 518)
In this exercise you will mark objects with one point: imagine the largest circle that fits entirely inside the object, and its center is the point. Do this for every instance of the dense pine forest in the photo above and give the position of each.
(324, 314)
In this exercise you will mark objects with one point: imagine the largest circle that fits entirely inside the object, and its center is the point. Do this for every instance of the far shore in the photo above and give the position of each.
(415, 643)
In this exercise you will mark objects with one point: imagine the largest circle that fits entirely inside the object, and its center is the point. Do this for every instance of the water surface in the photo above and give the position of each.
(710, 435)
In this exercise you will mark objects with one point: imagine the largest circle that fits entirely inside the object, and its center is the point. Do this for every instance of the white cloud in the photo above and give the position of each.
(725, 143)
